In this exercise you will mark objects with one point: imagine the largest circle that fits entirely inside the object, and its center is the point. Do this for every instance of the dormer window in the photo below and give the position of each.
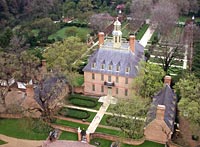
(117, 68)
(110, 66)
(94, 65)
(128, 69)
(102, 66)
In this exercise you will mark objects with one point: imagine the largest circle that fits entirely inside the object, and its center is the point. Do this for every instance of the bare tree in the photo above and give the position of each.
(100, 21)
(9, 69)
(47, 95)
(140, 11)
(164, 16)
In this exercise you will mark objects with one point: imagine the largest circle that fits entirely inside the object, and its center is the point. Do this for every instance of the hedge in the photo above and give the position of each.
(74, 113)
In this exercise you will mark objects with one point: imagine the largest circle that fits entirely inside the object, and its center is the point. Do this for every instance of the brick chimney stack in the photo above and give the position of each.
(167, 80)
(132, 43)
(160, 113)
(44, 66)
(101, 38)
(29, 91)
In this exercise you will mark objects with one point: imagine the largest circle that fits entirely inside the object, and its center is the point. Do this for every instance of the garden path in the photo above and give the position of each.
(14, 142)
(92, 110)
(147, 36)
(97, 119)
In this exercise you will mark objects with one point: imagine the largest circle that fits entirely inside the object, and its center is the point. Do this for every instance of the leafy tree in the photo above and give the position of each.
(149, 80)
(128, 115)
(62, 57)
(188, 89)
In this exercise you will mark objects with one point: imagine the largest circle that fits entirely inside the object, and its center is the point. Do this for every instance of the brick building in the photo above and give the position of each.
(161, 116)
(113, 65)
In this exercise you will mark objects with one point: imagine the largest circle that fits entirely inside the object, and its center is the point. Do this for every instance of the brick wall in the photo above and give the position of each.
(11, 115)
(98, 82)
(116, 138)
(157, 131)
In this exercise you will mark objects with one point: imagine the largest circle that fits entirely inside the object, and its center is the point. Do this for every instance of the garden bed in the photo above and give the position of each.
(84, 101)
(74, 113)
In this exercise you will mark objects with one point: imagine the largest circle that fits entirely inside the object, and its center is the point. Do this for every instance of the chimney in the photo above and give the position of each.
(101, 38)
(160, 113)
(132, 43)
(29, 91)
(167, 80)
(44, 67)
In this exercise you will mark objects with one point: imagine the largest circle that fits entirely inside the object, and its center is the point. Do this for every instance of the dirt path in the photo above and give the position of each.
(14, 142)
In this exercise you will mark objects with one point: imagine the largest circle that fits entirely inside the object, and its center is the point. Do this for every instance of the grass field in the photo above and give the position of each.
(68, 136)
(2, 142)
(19, 128)
(141, 31)
(71, 31)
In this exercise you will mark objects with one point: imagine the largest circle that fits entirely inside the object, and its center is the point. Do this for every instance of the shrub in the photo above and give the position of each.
(83, 101)
(74, 113)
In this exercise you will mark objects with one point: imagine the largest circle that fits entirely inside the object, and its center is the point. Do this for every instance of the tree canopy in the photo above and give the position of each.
(149, 80)
(188, 89)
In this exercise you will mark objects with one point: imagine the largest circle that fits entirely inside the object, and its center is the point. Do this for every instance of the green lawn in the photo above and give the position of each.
(107, 143)
(141, 31)
(71, 124)
(71, 31)
(20, 128)
(2, 142)
(184, 18)
(68, 136)
(76, 125)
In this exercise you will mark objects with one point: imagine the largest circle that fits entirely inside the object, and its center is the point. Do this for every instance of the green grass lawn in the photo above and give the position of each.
(184, 18)
(141, 31)
(2, 142)
(19, 128)
(71, 31)
(107, 143)
(71, 124)
(76, 125)
(68, 136)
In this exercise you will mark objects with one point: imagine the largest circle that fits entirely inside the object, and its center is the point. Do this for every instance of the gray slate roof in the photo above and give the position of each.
(167, 97)
(123, 57)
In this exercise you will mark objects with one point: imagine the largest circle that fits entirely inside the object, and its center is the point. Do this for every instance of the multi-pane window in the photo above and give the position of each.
(126, 92)
(102, 77)
(93, 76)
(94, 65)
(102, 66)
(115, 39)
(117, 79)
(127, 69)
(109, 79)
(93, 87)
(102, 88)
(126, 80)
(110, 67)
(117, 91)
(117, 68)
